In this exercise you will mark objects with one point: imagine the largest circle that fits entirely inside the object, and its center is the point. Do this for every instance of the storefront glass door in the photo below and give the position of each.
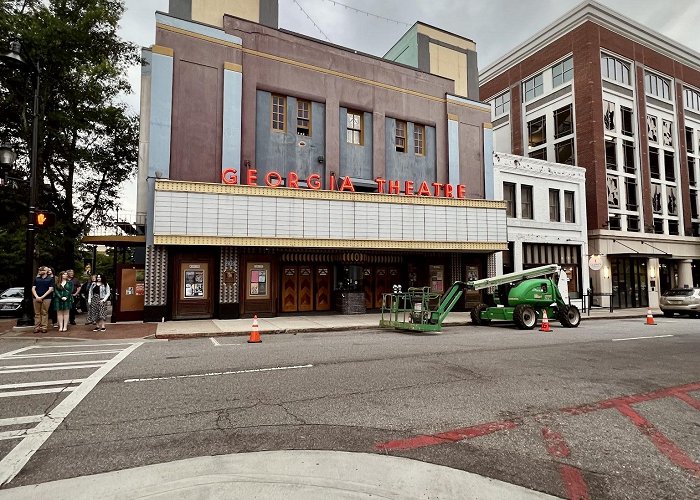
(629, 282)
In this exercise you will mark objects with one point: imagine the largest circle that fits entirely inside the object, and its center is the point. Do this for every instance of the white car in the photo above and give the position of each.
(681, 301)
(11, 301)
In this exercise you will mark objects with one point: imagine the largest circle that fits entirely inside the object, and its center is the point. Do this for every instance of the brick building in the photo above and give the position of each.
(597, 90)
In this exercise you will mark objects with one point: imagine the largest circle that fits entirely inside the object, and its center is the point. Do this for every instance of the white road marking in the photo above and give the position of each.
(214, 341)
(13, 434)
(12, 353)
(64, 354)
(94, 364)
(42, 384)
(639, 338)
(214, 374)
(30, 419)
(62, 363)
(13, 462)
(33, 392)
(61, 346)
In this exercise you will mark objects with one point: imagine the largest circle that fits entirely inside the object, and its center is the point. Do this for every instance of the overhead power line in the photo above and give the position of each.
(360, 11)
(312, 21)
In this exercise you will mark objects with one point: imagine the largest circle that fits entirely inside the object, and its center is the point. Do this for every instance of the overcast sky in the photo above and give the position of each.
(497, 26)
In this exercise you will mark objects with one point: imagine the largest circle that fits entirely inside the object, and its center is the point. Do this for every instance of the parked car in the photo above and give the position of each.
(11, 302)
(681, 301)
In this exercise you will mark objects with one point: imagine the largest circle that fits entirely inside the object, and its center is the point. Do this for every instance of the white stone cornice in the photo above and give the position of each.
(602, 16)
(530, 166)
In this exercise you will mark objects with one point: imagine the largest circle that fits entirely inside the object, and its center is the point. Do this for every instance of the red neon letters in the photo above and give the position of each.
(274, 179)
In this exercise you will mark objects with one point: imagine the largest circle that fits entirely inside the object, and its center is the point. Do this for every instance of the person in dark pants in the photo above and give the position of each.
(53, 314)
(76, 290)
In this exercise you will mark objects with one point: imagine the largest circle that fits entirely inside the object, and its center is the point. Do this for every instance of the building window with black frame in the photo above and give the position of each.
(509, 198)
(554, 208)
(526, 202)
(569, 207)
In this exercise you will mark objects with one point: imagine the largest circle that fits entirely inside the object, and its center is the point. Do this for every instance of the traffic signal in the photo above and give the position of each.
(44, 219)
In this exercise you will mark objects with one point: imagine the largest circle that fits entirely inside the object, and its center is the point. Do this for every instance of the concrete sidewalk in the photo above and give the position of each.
(324, 323)
(280, 324)
(289, 474)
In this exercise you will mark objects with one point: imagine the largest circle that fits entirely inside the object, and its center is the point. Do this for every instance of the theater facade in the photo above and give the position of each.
(281, 174)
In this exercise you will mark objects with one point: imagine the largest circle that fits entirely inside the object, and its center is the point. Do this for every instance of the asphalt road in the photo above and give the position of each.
(592, 412)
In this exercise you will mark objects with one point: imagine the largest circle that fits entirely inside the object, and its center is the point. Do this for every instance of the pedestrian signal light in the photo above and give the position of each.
(44, 219)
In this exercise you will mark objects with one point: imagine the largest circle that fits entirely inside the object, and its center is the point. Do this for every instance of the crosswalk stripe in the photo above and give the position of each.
(33, 392)
(64, 354)
(53, 368)
(30, 419)
(42, 384)
(62, 363)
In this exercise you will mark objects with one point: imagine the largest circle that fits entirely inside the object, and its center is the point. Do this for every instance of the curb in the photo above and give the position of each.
(294, 331)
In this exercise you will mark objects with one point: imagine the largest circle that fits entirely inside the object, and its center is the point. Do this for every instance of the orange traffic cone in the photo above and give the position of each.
(544, 327)
(254, 333)
(650, 317)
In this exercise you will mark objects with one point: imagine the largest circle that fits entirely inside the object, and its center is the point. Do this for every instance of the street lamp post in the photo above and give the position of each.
(18, 58)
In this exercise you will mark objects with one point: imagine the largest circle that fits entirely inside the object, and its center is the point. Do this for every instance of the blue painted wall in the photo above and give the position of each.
(408, 165)
(286, 151)
(356, 160)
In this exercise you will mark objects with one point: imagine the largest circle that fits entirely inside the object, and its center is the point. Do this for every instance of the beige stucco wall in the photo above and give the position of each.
(449, 64)
(212, 11)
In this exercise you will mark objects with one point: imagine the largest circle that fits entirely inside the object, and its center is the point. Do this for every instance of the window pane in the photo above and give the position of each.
(631, 192)
(526, 203)
(509, 197)
(613, 192)
(654, 163)
(537, 131)
(656, 204)
(609, 115)
(669, 167)
(564, 152)
(569, 213)
(628, 156)
(419, 139)
(278, 112)
(626, 119)
(540, 154)
(611, 154)
(690, 144)
(671, 201)
(563, 122)
(554, 214)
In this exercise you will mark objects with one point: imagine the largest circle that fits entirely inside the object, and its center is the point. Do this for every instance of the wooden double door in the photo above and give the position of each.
(376, 281)
(306, 288)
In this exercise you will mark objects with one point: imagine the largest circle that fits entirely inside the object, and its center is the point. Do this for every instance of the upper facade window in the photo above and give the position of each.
(279, 107)
(419, 139)
(400, 138)
(303, 118)
(533, 87)
(692, 99)
(615, 69)
(562, 72)
(657, 86)
(354, 126)
(501, 105)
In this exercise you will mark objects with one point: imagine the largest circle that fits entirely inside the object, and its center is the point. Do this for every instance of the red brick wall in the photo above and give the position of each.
(585, 43)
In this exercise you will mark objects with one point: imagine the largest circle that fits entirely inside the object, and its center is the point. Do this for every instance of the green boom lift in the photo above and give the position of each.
(419, 309)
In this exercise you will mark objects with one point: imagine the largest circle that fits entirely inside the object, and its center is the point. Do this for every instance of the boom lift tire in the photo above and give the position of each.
(476, 315)
(570, 316)
(525, 317)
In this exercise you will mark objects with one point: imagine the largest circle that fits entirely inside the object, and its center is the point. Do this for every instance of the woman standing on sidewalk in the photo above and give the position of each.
(97, 300)
(63, 300)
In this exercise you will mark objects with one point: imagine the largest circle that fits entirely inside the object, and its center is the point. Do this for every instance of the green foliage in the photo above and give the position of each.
(88, 139)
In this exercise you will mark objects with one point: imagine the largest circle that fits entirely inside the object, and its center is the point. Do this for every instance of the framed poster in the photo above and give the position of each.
(258, 275)
(194, 281)
(437, 278)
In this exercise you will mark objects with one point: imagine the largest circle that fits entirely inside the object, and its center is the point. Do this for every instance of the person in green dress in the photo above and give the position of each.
(63, 300)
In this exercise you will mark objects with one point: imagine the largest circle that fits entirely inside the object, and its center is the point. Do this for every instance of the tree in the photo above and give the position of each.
(88, 139)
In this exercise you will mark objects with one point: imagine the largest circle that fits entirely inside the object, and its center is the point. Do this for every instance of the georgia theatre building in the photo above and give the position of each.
(281, 174)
